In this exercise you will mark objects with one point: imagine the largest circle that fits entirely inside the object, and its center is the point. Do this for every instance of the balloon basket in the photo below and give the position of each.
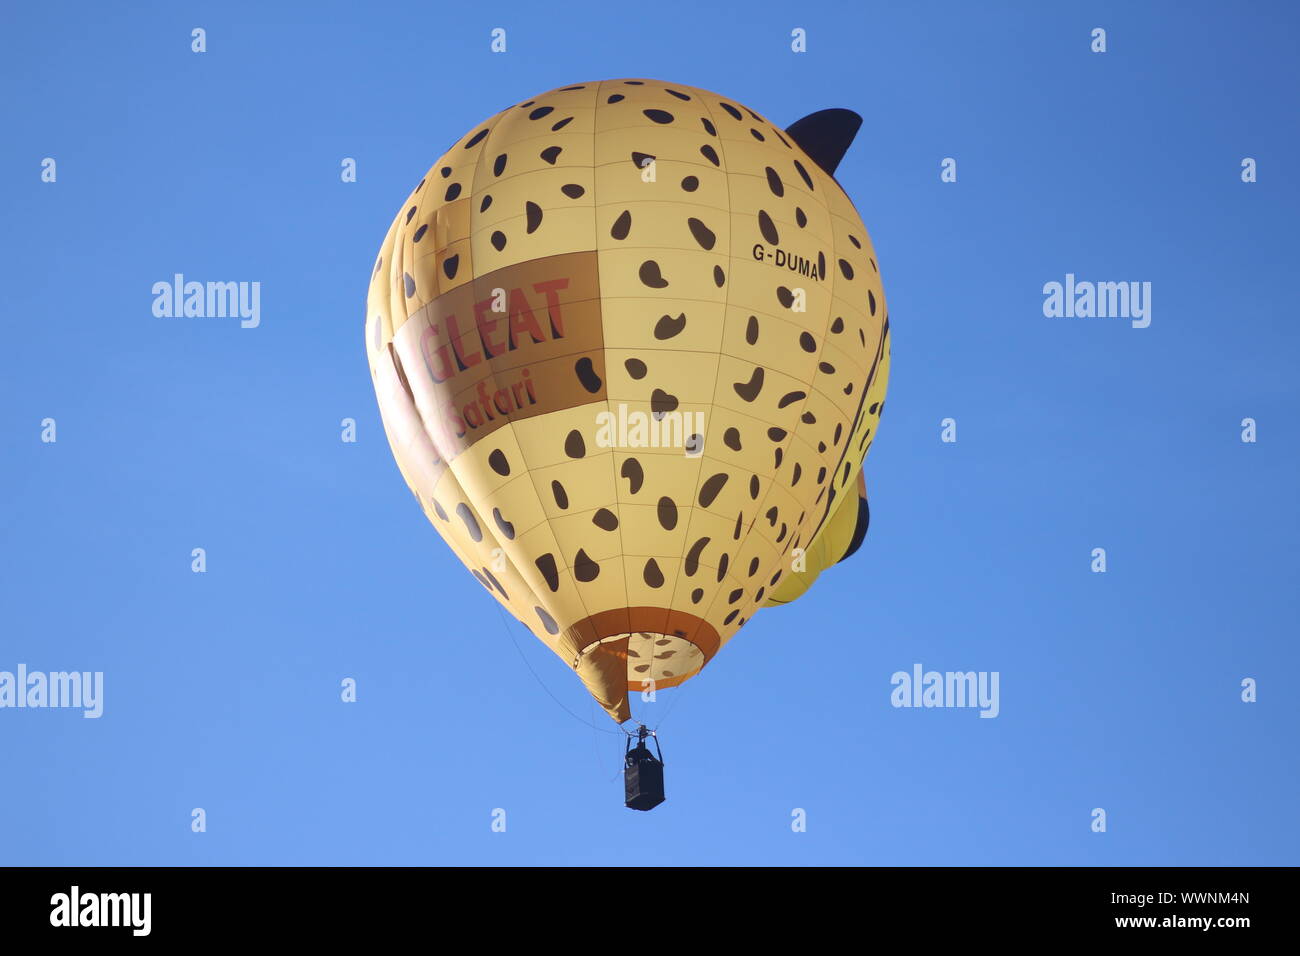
(643, 772)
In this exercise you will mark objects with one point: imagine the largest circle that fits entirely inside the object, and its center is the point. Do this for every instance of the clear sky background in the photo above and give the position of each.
(1118, 690)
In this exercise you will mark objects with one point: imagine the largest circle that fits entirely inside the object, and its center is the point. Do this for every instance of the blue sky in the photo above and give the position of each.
(1118, 690)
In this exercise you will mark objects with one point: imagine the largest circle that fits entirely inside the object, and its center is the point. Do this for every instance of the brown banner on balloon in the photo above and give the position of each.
(519, 342)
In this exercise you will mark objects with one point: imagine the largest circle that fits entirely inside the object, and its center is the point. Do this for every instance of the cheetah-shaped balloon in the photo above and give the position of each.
(630, 346)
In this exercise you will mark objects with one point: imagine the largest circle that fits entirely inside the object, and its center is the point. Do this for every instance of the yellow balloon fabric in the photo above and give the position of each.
(630, 347)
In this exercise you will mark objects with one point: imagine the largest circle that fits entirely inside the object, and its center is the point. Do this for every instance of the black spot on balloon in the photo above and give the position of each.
(506, 527)
(807, 342)
(697, 595)
(803, 173)
(826, 368)
(798, 472)
(838, 325)
(846, 269)
(776, 434)
(703, 235)
(658, 116)
(821, 475)
(497, 460)
(452, 192)
(445, 171)
(767, 227)
(751, 330)
(548, 622)
(550, 154)
(499, 166)
(561, 124)
(821, 266)
(641, 160)
(652, 575)
(546, 564)
(411, 212)
(774, 182)
(561, 496)
(854, 239)
(498, 240)
(635, 368)
(749, 390)
(808, 418)
(667, 513)
(409, 283)
(690, 184)
(731, 438)
(661, 403)
(710, 489)
(735, 113)
(475, 140)
(735, 595)
(471, 523)
(708, 126)
(632, 471)
(487, 201)
(753, 487)
(419, 233)
(574, 446)
(667, 326)
(585, 569)
(573, 191)
(532, 217)
(437, 509)
(540, 112)
(757, 135)
(871, 301)
(789, 398)
(680, 96)
(875, 407)
(449, 266)
(622, 225)
(784, 296)
(722, 566)
(605, 520)
(587, 375)
(709, 153)
(692, 563)
(650, 275)
(800, 217)
(615, 98)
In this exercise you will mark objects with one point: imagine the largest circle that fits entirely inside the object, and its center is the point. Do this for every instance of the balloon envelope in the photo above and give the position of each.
(630, 347)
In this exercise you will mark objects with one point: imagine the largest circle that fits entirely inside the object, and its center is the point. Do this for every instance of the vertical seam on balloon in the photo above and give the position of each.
(717, 373)
(753, 604)
(613, 458)
(542, 601)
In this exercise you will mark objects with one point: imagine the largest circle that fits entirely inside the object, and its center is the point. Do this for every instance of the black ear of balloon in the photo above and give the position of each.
(826, 135)
(860, 530)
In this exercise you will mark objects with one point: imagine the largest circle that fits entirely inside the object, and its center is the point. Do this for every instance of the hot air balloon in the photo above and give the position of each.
(630, 347)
